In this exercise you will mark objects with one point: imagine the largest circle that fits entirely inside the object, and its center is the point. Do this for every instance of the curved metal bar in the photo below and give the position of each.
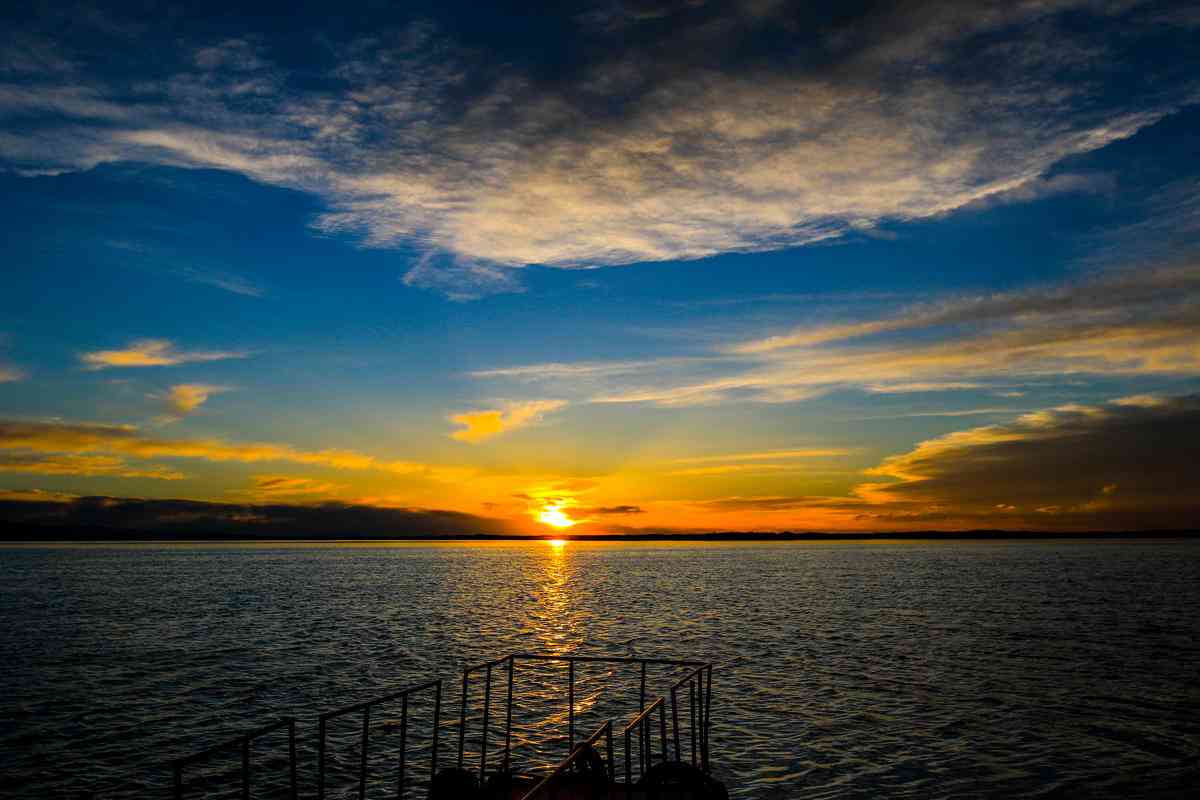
(604, 730)
(243, 743)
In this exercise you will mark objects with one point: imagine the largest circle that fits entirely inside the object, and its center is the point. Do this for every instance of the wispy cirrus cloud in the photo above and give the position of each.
(768, 455)
(655, 150)
(153, 353)
(765, 461)
(266, 487)
(479, 426)
(1127, 323)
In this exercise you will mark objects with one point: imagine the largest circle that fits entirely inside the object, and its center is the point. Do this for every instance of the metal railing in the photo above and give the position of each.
(697, 684)
(365, 708)
(699, 681)
(641, 723)
(577, 752)
(243, 742)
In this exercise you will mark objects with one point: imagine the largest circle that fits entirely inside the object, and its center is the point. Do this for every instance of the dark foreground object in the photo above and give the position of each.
(669, 780)
(665, 747)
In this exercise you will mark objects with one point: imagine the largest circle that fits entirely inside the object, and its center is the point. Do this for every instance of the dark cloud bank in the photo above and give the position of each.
(99, 518)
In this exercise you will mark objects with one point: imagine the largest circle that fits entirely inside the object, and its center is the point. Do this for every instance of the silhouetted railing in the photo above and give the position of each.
(243, 743)
(699, 683)
(365, 708)
(698, 680)
(578, 753)
(641, 723)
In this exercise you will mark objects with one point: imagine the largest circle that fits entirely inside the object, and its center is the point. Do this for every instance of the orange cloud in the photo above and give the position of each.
(272, 486)
(90, 466)
(127, 440)
(479, 426)
(815, 452)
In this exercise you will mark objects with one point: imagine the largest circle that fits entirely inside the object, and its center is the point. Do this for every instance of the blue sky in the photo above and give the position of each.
(752, 266)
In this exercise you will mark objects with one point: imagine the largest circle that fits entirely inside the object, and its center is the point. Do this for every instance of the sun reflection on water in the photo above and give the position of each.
(556, 619)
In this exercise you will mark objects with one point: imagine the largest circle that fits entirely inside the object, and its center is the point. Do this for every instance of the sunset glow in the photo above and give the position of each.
(433, 277)
(555, 517)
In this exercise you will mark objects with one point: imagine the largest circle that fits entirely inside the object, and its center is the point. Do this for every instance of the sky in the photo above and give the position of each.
(605, 267)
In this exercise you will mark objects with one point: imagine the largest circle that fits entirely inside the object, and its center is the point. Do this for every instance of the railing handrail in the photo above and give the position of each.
(696, 671)
(690, 676)
(670, 662)
(236, 741)
(328, 715)
(604, 730)
(365, 707)
(645, 712)
(699, 683)
(641, 723)
(243, 743)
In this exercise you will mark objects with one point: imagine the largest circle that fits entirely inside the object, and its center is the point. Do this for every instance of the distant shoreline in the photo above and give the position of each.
(26, 535)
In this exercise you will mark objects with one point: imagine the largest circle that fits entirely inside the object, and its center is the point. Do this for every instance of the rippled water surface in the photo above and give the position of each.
(1056, 669)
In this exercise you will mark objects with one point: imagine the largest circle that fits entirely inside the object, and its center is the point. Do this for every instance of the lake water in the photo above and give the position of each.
(902, 669)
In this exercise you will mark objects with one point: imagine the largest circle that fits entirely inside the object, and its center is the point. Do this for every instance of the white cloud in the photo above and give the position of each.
(697, 162)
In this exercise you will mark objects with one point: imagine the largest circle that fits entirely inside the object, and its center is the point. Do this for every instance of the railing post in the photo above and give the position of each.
(612, 768)
(641, 735)
(362, 761)
(642, 690)
(321, 758)
(487, 714)
(178, 791)
(692, 715)
(246, 768)
(675, 724)
(437, 719)
(707, 712)
(647, 742)
(629, 763)
(662, 729)
(292, 755)
(403, 746)
(462, 720)
(571, 706)
(508, 714)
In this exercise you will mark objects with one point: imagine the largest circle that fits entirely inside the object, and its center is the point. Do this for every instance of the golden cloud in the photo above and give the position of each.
(90, 466)
(479, 426)
(273, 486)
(127, 440)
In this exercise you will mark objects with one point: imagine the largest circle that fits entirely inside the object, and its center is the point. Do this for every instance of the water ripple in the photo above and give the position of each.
(847, 670)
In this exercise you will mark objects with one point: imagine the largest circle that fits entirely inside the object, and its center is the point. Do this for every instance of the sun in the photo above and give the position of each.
(554, 517)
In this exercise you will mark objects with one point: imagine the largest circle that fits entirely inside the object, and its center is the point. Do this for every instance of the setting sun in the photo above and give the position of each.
(554, 517)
